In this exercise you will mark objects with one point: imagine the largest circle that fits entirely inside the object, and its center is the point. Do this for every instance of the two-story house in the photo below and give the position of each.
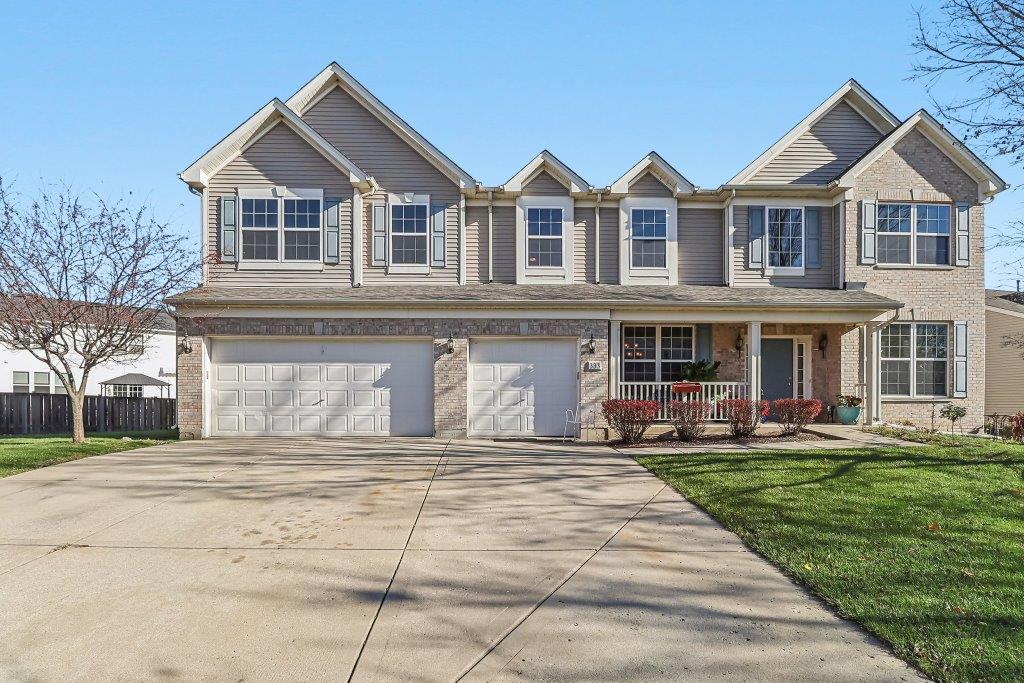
(358, 281)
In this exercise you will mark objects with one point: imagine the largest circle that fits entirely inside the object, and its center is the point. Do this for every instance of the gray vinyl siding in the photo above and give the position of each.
(396, 167)
(378, 275)
(700, 246)
(545, 185)
(280, 157)
(1004, 369)
(649, 186)
(817, 156)
(813, 277)
(609, 244)
(476, 244)
(505, 244)
(583, 245)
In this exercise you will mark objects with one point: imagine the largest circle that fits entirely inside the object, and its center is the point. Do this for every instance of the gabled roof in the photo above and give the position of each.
(546, 161)
(854, 94)
(136, 378)
(989, 182)
(656, 165)
(236, 142)
(1011, 303)
(335, 76)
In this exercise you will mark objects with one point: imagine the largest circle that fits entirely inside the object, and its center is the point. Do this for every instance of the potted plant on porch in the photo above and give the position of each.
(848, 408)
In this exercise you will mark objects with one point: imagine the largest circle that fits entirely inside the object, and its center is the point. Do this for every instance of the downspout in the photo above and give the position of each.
(490, 236)
(358, 228)
(730, 230)
(597, 240)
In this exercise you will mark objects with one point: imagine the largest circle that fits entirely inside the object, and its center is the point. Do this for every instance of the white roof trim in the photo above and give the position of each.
(275, 111)
(989, 183)
(546, 161)
(850, 87)
(310, 94)
(660, 169)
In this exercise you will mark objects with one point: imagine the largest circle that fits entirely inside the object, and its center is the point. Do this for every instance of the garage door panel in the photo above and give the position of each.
(333, 387)
(522, 386)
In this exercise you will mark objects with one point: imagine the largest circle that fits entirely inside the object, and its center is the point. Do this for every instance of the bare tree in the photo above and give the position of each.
(82, 280)
(979, 45)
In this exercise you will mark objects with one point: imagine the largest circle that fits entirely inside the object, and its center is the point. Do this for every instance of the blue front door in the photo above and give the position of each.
(776, 369)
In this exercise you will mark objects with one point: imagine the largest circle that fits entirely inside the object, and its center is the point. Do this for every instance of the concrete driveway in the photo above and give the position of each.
(392, 560)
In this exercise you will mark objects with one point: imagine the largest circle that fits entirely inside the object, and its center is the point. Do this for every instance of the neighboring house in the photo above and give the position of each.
(1004, 352)
(358, 281)
(22, 373)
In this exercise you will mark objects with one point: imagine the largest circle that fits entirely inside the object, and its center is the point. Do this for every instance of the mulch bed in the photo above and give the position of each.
(670, 439)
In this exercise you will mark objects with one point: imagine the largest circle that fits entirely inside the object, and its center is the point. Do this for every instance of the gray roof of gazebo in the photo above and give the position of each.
(137, 378)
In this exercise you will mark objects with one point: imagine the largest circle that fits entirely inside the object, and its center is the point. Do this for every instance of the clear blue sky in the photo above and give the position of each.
(120, 97)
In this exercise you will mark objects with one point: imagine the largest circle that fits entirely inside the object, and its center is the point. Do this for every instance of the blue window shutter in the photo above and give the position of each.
(229, 229)
(379, 235)
(755, 236)
(960, 359)
(332, 229)
(963, 234)
(703, 342)
(437, 246)
(868, 221)
(812, 236)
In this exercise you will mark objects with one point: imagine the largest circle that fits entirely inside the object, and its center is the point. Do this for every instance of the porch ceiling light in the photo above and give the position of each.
(450, 344)
(823, 344)
(186, 343)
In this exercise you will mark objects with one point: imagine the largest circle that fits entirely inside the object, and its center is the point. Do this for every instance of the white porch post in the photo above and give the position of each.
(614, 349)
(754, 359)
(871, 348)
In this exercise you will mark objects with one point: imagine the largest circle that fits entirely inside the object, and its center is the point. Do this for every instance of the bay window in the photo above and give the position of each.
(915, 359)
(656, 353)
(544, 238)
(648, 230)
(913, 234)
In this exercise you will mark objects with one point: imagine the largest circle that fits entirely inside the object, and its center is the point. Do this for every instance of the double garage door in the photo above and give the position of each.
(517, 387)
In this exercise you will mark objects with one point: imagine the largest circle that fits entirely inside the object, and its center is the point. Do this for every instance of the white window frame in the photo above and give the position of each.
(126, 390)
(527, 274)
(657, 360)
(551, 238)
(633, 238)
(914, 234)
(639, 275)
(407, 199)
(27, 383)
(280, 194)
(784, 270)
(914, 359)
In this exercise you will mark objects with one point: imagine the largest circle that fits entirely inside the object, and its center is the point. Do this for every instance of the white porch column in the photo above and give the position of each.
(754, 359)
(871, 350)
(614, 362)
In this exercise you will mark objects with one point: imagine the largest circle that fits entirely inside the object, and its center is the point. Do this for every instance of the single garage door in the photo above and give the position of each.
(323, 388)
(521, 387)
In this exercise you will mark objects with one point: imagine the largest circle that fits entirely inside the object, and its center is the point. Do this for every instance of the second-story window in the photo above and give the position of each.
(301, 229)
(409, 234)
(544, 237)
(259, 229)
(785, 238)
(913, 234)
(648, 229)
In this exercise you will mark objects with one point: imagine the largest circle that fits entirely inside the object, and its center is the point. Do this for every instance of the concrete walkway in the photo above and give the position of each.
(411, 560)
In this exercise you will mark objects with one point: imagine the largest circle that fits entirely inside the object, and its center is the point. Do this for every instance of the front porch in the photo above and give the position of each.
(768, 360)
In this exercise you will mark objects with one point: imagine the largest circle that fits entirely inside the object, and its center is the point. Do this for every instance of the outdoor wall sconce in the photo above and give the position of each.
(739, 343)
(823, 344)
(186, 343)
(590, 346)
(450, 344)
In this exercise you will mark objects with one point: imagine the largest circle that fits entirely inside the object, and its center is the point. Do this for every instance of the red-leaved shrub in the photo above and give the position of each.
(630, 418)
(744, 415)
(690, 418)
(1017, 427)
(794, 414)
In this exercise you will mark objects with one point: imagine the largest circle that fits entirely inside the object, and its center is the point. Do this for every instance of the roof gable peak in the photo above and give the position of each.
(546, 161)
(655, 164)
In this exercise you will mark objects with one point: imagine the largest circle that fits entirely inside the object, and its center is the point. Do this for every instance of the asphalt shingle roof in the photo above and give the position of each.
(1008, 301)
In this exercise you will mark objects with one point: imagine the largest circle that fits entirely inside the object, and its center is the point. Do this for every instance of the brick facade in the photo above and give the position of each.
(915, 169)
(451, 371)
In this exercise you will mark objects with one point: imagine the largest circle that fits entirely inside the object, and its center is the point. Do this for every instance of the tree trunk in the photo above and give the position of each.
(77, 401)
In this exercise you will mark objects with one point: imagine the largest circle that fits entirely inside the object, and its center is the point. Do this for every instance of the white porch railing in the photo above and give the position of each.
(711, 392)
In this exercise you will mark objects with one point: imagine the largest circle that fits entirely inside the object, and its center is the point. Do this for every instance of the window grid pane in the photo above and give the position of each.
(638, 354)
(914, 359)
(544, 252)
(648, 253)
(409, 234)
(259, 245)
(785, 238)
(544, 238)
(649, 230)
(259, 213)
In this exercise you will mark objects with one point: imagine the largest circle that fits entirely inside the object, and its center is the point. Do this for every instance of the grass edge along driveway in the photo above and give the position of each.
(21, 453)
(923, 546)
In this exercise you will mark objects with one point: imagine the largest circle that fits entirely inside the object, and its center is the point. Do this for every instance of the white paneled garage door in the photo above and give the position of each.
(322, 388)
(521, 387)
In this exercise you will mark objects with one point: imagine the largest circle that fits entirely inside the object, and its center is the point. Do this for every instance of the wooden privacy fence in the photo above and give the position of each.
(51, 413)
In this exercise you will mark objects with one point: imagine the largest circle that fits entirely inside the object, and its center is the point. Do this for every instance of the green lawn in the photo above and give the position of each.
(924, 546)
(23, 453)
